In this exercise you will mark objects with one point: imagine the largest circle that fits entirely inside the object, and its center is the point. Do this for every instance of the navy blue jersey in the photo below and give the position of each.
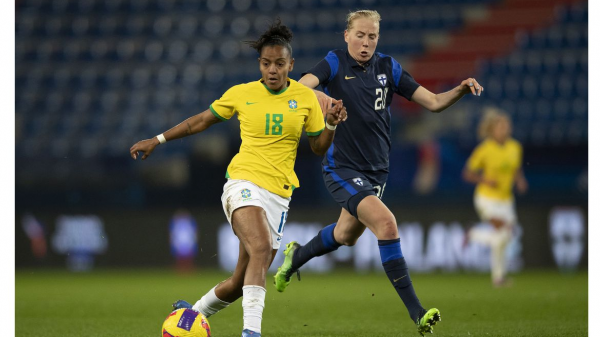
(363, 141)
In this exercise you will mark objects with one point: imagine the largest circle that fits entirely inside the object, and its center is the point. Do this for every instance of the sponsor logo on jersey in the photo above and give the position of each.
(382, 79)
(358, 181)
(349, 78)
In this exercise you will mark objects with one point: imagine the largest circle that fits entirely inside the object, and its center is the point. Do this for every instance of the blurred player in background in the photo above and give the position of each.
(36, 234)
(272, 113)
(356, 166)
(183, 239)
(495, 166)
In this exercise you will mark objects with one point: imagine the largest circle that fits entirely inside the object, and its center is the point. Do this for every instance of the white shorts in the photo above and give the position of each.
(241, 193)
(489, 208)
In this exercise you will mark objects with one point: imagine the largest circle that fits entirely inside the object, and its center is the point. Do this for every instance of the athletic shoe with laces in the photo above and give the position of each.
(181, 304)
(250, 333)
(285, 272)
(428, 320)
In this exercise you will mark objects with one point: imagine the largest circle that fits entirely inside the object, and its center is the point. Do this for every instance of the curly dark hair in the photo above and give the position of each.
(276, 35)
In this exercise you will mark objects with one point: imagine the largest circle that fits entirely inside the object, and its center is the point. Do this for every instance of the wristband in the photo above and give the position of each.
(161, 139)
(330, 127)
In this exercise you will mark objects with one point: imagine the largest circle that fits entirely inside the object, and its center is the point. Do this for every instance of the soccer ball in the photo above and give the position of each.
(185, 323)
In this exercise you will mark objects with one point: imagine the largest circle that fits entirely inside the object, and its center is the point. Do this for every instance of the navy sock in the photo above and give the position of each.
(321, 244)
(397, 271)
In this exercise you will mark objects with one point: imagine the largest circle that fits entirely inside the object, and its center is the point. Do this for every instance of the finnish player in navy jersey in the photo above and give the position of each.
(356, 166)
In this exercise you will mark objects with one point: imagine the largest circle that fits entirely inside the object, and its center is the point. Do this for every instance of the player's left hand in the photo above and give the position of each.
(325, 101)
(471, 85)
(522, 186)
(337, 113)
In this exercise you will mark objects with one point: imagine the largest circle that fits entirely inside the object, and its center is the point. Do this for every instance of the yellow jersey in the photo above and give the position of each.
(271, 124)
(498, 162)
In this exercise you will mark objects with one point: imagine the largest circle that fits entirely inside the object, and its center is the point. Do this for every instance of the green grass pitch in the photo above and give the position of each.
(135, 303)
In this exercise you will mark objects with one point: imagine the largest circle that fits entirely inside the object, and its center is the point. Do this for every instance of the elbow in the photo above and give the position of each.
(466, 176)
(319, 152)
(437, 108)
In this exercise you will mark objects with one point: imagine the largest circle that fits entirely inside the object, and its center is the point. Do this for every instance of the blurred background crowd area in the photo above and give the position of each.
(95, 76)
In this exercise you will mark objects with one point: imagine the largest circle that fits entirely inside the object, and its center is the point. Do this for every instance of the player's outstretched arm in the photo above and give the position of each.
(521, 182)
(190, 126)
(325, 101)
(335, 115)
(440, 102)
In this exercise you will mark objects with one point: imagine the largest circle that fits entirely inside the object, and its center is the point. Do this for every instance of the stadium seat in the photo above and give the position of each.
(140, 77)
(561, 110)
(516, 63)
(162, 26)
(548, 86)
(240, 26)
(229, 49)
(565, 85)
(543, 110)
(579, 108)
(126, 50)
(524, 112)
(530, 87)
(112, 5)
(141, 5)
(213, 26)
(81, 102)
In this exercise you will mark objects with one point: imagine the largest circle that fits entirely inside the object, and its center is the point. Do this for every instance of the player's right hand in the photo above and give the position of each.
(146, 146)
(325, 101)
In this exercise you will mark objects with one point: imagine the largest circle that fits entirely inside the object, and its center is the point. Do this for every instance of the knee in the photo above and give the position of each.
(387, 229)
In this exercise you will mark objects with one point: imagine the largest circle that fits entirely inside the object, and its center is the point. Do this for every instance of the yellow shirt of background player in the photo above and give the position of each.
(498, 162)
(270, 127)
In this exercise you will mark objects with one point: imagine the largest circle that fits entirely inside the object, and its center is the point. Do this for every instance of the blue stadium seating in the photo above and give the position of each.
(91, 70)
(546, 78)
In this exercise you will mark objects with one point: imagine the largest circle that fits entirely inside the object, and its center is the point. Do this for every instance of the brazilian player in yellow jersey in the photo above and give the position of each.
(495, 167)
(271, 124)
(497, 163)
(272, 113)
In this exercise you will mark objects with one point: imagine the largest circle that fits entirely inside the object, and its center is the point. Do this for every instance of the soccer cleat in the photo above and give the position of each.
(250, 333)
(428, 320)
(285, 272)
(181, 304)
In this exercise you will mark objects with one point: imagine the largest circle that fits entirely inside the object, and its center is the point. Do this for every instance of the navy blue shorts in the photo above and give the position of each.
(349, 187)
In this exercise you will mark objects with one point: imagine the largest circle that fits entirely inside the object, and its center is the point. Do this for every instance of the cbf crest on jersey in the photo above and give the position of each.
(293, 104)
(382, 79)
(246, 193)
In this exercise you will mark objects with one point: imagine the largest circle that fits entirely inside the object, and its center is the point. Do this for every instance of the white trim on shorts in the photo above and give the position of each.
(240, 193)
(489, 208)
